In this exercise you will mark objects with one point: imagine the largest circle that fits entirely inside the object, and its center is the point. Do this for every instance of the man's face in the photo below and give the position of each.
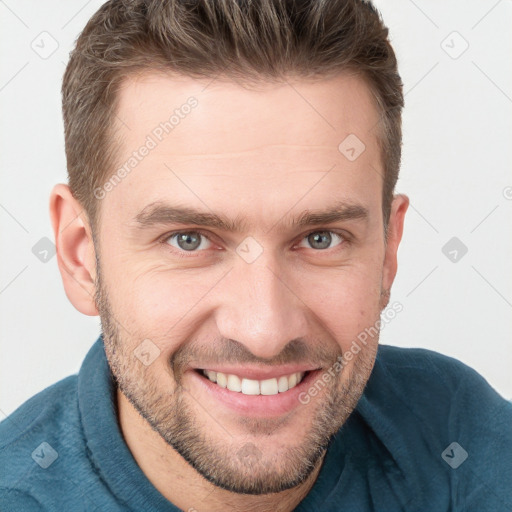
(272, 298)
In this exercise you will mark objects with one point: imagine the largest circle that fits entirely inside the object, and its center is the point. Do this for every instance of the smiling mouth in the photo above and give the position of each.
(253, 387)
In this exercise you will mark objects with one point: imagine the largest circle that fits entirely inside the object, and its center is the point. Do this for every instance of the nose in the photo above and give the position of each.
(260, 308)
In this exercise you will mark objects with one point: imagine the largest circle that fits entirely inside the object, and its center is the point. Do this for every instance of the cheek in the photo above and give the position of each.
(345, 302)
(160, 303)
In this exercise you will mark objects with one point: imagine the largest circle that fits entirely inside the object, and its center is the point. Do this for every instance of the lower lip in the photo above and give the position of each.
(257, 405)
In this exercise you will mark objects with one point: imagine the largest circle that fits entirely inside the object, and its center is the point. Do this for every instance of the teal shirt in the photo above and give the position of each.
(428, 434)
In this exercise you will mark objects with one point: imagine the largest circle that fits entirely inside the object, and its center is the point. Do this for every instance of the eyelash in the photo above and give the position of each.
(345, 240)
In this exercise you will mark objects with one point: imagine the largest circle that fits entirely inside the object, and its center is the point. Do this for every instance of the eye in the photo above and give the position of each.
(194, 241)
(322, 240)
(188, 241)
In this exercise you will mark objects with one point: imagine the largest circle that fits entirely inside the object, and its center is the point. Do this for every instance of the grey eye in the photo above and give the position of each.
(321, 239)
(188, 241)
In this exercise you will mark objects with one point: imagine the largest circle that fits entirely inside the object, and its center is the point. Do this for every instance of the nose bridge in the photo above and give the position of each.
(259, 310)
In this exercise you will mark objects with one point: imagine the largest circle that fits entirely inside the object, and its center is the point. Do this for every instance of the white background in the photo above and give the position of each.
(456, 169)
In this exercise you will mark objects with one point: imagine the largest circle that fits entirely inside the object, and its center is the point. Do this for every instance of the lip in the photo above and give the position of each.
(254, 405)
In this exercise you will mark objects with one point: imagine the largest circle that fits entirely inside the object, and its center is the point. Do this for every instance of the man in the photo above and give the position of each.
(231, 216)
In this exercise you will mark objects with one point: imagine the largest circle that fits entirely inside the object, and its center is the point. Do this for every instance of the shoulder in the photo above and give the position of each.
(421, 369)
(436, 389)
(35, 434)
(437, 381)
(448, 411)
(407, 360)
(12, 500)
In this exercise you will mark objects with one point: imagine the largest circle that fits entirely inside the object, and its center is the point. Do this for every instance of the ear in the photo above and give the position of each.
(75, 249)
(395, 229)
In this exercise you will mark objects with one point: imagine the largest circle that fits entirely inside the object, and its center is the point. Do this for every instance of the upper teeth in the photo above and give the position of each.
(255, 387)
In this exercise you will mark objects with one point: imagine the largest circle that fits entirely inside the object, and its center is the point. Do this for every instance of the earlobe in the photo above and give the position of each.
(395, 231)
(75, 249)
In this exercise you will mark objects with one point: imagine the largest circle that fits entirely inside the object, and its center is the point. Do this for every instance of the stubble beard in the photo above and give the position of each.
(238, 466)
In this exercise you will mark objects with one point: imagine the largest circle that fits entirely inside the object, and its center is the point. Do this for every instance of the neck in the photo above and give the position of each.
(182, 485)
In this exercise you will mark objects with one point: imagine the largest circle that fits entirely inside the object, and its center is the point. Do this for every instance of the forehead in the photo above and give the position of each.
(217, 139)
(321, 110)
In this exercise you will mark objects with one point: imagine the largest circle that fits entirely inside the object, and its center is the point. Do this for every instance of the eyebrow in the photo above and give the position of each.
(159, 213)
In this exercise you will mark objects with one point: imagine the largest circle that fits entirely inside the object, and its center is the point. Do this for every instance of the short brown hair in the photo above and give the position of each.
(242, 39)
